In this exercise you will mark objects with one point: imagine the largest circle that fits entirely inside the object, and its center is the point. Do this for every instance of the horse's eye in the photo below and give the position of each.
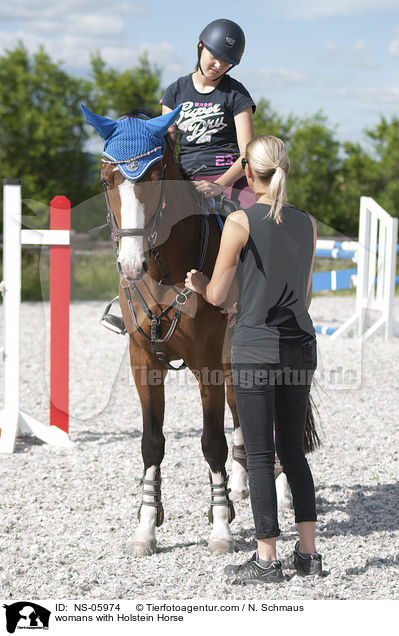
(105, 182)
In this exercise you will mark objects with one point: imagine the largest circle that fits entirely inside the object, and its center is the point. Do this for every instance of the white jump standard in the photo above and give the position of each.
(375, 254)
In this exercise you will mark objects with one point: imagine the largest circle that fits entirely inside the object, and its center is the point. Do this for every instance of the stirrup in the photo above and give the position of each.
(111, 321)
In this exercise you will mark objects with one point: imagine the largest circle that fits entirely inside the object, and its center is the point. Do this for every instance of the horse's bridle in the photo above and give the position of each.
(151, 232)
(151, 229)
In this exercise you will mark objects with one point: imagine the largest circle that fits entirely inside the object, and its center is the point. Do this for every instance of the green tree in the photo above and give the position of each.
(315, 165)
(385, 182)
(115, 93)
(268, 122)
(358, 177)
(42, 133)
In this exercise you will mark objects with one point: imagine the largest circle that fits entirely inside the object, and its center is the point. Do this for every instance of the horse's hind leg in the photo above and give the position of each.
(149, 379)
(214, 447)
(239, 473)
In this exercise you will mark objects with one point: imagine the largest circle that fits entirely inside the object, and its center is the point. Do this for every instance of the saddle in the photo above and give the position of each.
(220, 206)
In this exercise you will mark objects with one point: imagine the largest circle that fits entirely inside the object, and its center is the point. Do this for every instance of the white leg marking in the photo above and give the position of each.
(148, 514)
(239, 476)
(284, 496)
(131, 255)
(237, 437)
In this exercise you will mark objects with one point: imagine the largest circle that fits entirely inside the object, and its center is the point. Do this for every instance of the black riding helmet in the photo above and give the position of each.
(225, 40)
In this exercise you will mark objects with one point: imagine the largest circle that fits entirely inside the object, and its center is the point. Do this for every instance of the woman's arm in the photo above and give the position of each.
(310, 286)
(234, 237)
(245, 132)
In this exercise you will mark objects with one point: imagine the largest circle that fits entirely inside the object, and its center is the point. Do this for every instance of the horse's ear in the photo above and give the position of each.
(159, 125)
(103, 125)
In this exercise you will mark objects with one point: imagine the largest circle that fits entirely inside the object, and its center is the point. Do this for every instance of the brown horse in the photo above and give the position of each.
(160, 232)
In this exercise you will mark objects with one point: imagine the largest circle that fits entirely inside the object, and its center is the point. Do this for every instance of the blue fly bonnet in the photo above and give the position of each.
(132, 144)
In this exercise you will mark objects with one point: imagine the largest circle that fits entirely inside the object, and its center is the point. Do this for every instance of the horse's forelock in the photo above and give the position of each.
(140, 113)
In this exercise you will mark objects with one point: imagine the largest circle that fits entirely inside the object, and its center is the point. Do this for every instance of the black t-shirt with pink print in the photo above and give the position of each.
(206, 122)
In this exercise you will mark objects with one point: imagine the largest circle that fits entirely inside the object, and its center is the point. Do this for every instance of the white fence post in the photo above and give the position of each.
(378, 233)
(11, 288)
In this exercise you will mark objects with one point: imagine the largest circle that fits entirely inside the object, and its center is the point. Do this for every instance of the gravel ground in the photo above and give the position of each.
(67, 515)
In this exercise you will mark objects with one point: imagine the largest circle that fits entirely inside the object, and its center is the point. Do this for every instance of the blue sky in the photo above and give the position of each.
(340, 56)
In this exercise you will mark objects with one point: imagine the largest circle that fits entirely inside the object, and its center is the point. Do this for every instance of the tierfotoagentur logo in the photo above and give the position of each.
(26, 615)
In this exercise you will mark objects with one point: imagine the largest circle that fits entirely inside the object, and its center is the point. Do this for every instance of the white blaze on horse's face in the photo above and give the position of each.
(131, 253)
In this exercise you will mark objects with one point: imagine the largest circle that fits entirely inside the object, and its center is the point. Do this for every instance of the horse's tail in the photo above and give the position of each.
(311, 438)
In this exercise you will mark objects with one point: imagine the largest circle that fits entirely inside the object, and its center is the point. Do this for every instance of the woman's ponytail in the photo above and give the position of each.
(267, 157)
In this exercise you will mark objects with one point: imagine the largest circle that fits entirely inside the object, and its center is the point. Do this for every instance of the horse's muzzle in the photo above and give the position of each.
(135, 274)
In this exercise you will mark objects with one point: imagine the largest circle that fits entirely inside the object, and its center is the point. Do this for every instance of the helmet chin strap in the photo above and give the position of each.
(220, 76)
(202, 72)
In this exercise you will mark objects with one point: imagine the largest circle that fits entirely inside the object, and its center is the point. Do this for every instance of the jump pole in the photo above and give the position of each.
(12, 418)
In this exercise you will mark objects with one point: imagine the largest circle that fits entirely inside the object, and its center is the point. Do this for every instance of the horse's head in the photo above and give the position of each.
(133, 174)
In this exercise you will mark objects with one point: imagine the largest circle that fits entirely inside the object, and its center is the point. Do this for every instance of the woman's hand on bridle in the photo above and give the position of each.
(197, 281)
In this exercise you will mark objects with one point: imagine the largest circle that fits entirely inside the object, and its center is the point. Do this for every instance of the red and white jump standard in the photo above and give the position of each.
(12, 418)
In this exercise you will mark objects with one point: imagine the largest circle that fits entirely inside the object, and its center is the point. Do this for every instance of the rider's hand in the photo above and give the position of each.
(197, 281)
(209, 189)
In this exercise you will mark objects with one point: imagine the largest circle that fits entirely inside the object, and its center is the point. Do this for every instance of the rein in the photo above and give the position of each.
(151, 232)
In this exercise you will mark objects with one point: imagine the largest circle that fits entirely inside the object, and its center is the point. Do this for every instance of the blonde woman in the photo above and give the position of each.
(269, 248)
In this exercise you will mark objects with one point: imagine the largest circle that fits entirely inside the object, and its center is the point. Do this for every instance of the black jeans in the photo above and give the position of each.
(268, 394)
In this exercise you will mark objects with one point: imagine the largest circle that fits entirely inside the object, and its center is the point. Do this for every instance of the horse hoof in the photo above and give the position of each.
(221, 547)
(142, 548)
(239, 495)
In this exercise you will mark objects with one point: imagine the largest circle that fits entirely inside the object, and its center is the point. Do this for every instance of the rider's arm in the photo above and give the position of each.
(245, 132)
(234, 237)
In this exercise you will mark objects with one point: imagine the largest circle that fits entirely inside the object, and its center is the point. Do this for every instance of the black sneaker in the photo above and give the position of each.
(308, 565)
(251, 573)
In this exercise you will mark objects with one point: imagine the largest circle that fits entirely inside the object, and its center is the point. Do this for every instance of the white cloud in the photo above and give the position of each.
(163, 54)
(74, 48)
(84, 29)
(394, 45)
(315, 9)
(332, 47)
(357, 55)
(369, 95)
(57, 10)
(267, 80)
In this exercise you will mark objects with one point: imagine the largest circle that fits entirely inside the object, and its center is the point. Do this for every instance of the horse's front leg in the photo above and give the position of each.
(149, 378)
(214, 447)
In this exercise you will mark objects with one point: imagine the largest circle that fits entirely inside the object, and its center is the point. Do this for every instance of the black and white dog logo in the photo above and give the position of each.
(26, 615)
